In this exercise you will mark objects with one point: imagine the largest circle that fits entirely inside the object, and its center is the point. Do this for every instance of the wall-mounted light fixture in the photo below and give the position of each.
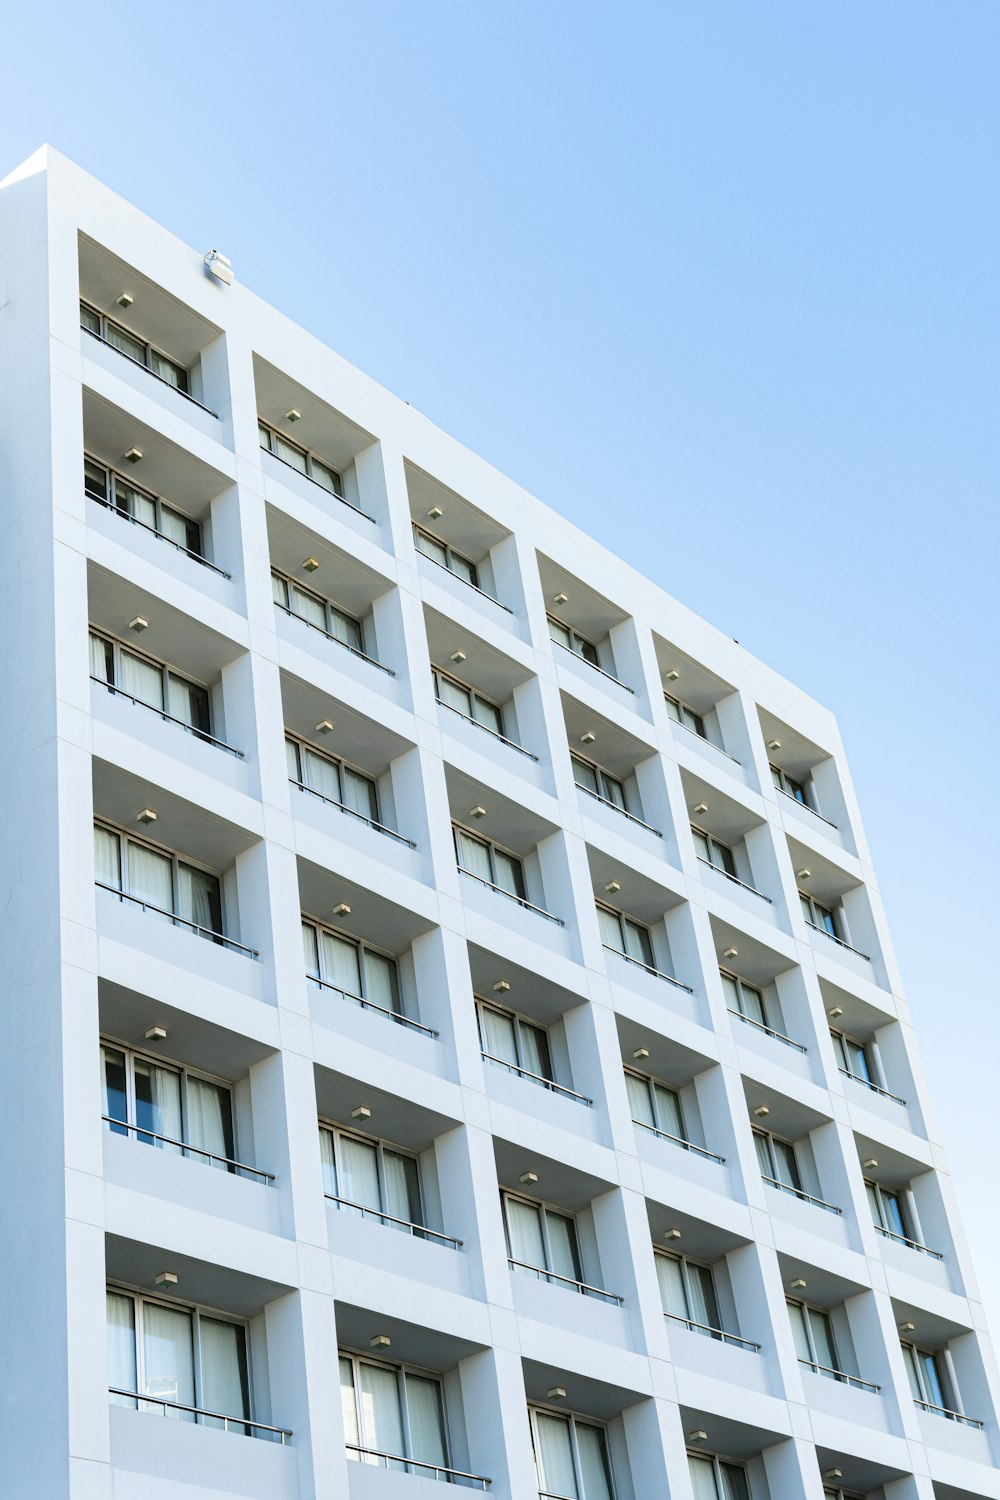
(145, 816)
(219, 266)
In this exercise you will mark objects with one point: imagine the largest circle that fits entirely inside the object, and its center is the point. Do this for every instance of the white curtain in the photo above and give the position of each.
(584, 775)
(292, 761)
(279, 590)
(107, 858)
(121, 1345)
(210, 1119)
(150, 876)
(321, 774)
(425, 1415)
(731, 991)
(346, 630)
(359, 1172)
(158, 1102)
(637, 943)
(704, 1307)
(199, 898)
(115, 1090)
(535, 1050)
(488, 714)
(101, 659)
(168, 1357)
(734, 1483)
(380, 980)
(753, 1004)
(140, 678)
(556, 1471)
(474, 856)
(431, 548)
(562, 1245)
(668, 1109)
(524, 1230)
(611, 929)
(359, 794)
(119, 339)
(639, 1101)
(381, 1417)
(509, 873)
(225, 1386)
(348, 1404)
(670, 1275)
(310, 949)
(138, 505)
(308, 607)
(763, 1147)
(596, 1480)
(822, 1334)
(797, 1315)
(788, 1167)
(325, 476)
(454, 696)
(498, 1035)
(702, 1471)
(290, 453)
(189, 703)
(328, 1158)
(402, 1186)
(177, 527)
(341, 965)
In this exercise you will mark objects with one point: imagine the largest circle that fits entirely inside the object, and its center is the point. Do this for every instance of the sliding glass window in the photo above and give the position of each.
(166, 1100)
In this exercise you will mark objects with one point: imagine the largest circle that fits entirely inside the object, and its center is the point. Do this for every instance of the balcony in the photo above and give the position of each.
(569, 1283)
(417, 1466)
(732, 1340)
(778, 1036)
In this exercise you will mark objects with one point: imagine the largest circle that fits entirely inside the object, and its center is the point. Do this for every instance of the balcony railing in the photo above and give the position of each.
(785, 1187)
(943, 1411)
(468, 582)
(676, 1140)
(706, 741)
(583, 1287)
(521, 900)
(607, 802)
(714, 1333)
(539, 1078)
(656, 973)
(161, 713)
(382, 1010)
(735, 880)
(779, 1036)
(362, 655)
(418, 1231)
(842, 942)
(143, 1134)
(432, 1471)
(143, 366)
(145, 526)
(799, 803)
(244, 1425)
(171, 916)
(875, 1087)
(351, 812)
(594, 667)
(486, 728)
(343, 500)
(841, 1376)
(902, 1239)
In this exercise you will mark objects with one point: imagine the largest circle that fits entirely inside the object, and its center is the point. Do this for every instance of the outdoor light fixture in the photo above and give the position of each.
(156, 1034)
(613, 887)
(380, 1341)
(835, 1012)
(502, 987)
(167, 1278)
(833, 1473)
(219, 266)
(698, 1436)
(324, 726)
(310, 565)
(528, 1178)
(139, 624)
(701, 807)
(133, 455)
(673, 674)
(588, 737)
(640, 1054)
(343, 910)
(803, 874)
(798, 1285)
(293, 415)
(556, 1393)
(871, 1164)
(731, 953)
(477, 812)
(361, 1113)
(124, 299)
(458, 657)
(774, 744)
(907, 1327)
(146, 816)
(762, 1111)
(435, 513)
(671, 1234)
(560, 598)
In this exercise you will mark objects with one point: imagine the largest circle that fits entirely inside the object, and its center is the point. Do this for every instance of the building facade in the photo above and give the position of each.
(450, 1029)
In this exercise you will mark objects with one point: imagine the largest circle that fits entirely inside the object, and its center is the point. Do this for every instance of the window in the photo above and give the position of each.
(682, 714)
(510, 1040)
(191, 1113)
(714, 853)
(393, 1413)
(317, 611)
(441, 552)
(541, 1240)
(490, 863)
(358, 971)
(134, 347)
(655, 1106)
(820, 916)
(927, 1373)
(888, 1212)
(465, 700)
(161, 881)
(788, 785)
(365, 1174)
(717, 1479)
(776, 1159)
(687, 1293)
(178, 1357)
(332, 779)
(117, 493)
(298, 458)
(744, 999)
(571, 1457)
(600, 783)
(151, 683)
(812, 1331)
(625, 936)
(573, 641)
(853, 1058)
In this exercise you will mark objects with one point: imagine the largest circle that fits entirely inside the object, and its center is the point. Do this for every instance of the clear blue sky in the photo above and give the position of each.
(718, 280)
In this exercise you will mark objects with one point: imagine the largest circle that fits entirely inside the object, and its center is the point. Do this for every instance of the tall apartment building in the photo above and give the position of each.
(450, 1032)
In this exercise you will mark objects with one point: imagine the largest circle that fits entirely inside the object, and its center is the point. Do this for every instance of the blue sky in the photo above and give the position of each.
(718, 281)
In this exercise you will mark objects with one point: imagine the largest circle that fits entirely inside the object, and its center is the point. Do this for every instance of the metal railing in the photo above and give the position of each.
(143, 1134)
(295, 470)
(539, 1078)
(494, 732)
(716, 1333)
(843, 943)
(435, 1471)
(382, 1010)
(199, 734)
(676, 1140)
(583, 1287)
(841, 1376)
(195, 927)
(799, 803)
(656, 973)
(418, 1231)
(351, 812)
(142, 365)
(943, 1411)
(903, 1239)
(201, 1414)
(521, 900)
(705, 740)
(623, 810)
(467, 581)
(179, 546)
(735, 879)
(594, 667)
(800, 1193)
(362, 655)
(767, 1030)
(875, 1087)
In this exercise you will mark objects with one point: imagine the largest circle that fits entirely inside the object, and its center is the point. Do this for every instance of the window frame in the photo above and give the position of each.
(176, 861)
(341, 764)
(770, 1137)
(885, 1221)
(602, 777)
(543, 1209)
(623, 917)
(716, 845)
(438, 674)
(687, 1263)
(363, 947)
(331, 611)
(133, 1130)
(450, 552)
(791, 786)
(519, 1020)
(110, 502)
(579, 645)
(536, 1409)
(915, 1356)
(494, 848)
(400, 1369)
(840, 1038)
(820, 1368)
(742, 984)
(836, 922)
(149, 349)
(717, 1466)
(652, 1084)
(167, 670)
(340, 1132)
(698, 727)
(308, 454)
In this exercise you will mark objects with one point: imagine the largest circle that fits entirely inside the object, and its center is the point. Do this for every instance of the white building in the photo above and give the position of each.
(587, 1149)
